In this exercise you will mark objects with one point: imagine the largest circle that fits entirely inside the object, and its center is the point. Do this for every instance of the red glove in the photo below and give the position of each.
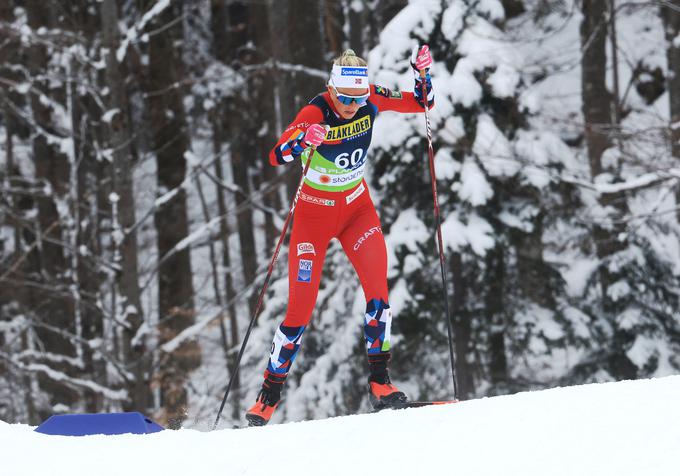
(421, 59)
(315, 135)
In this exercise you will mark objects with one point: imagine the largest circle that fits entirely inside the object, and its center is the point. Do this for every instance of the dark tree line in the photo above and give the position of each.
(94, 94)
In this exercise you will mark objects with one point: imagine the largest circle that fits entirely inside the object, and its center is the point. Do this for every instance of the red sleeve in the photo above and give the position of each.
(289, 145)
(388, 100)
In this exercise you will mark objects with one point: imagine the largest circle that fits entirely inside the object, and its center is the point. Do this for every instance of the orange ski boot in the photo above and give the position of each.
(267, 400)
(381, 391)
(383, 394)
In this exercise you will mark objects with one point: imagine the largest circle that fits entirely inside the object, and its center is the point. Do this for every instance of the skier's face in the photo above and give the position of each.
(346, 111)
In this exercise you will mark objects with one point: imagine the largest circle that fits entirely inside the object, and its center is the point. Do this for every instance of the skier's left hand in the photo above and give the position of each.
(421, 59)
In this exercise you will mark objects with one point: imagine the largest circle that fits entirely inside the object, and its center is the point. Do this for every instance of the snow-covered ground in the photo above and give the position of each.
(618, 429)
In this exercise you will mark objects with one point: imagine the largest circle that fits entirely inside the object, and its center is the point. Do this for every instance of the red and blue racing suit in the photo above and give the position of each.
(335, 203)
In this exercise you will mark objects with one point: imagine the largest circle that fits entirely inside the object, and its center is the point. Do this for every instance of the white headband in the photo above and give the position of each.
(349, 76)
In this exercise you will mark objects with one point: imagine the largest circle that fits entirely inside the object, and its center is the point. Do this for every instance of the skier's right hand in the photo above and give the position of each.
(315, 135)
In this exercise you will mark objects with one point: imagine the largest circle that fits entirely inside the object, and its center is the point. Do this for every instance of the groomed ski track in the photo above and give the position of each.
(618, 429)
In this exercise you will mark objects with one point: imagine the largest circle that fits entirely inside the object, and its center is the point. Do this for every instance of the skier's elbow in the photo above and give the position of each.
(272, 159)
(278, 157)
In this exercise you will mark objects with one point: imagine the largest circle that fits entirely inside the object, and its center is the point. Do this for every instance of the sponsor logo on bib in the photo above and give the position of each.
(347, 131)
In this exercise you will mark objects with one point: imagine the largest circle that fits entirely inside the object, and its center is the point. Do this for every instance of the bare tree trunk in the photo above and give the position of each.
(218, 295)
(76, 125)
(21, 294)
(596, 105)
(594, 93)
(671, 20)
(334, 21)
(225, 232)
(498, 361)
(91, 276)
(242, 132)
(307, 49)
(222, 40)
(53, 168)
(535, 275)
(283, 100)
(84, 276)
(219, 24)
(616, 100)
(359, 29)
(462, 329)
(10, 171)
(29, 383)
(49, 164)
(263, 87)
(175, 288)
(242, 149)
(122, 185)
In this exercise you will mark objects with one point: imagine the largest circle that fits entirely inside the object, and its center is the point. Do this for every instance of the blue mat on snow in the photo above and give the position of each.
(98, 424)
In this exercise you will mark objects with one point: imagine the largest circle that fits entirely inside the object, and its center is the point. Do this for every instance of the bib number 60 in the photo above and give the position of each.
(345, 159)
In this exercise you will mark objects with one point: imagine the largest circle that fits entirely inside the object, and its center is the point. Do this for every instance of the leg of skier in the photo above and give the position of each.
(309, 240)
(363, 241)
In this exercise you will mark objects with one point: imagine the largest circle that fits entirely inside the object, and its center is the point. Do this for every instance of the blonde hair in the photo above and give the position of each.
(349, 58)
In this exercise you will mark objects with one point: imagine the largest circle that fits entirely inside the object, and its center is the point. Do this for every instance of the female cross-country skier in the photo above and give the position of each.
(334, 202)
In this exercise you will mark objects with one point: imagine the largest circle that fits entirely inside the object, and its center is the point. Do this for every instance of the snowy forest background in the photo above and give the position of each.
(138, 212)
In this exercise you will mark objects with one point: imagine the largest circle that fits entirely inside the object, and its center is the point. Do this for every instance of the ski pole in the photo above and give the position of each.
(437, 219)
(264, 286)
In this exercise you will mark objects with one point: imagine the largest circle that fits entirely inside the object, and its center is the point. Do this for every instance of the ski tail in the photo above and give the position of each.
(418, 404)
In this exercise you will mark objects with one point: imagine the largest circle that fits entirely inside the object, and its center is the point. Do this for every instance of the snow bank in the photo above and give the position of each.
(625, 428)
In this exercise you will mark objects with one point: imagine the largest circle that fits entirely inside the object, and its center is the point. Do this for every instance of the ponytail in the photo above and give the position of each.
(349, 58)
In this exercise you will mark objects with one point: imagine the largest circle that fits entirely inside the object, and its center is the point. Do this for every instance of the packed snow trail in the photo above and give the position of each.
(619, 429)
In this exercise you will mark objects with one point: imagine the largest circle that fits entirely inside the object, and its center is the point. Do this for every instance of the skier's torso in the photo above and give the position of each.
(339, 163)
